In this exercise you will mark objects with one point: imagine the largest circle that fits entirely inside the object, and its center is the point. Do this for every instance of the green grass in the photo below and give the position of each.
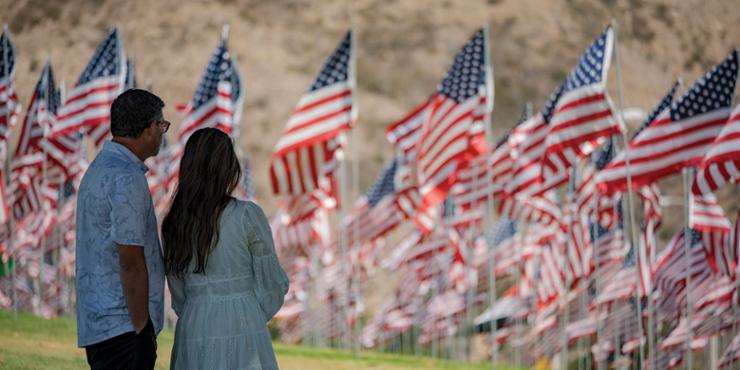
(30, 342)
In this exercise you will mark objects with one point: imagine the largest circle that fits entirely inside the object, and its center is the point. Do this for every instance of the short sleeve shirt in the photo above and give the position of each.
(114, 207)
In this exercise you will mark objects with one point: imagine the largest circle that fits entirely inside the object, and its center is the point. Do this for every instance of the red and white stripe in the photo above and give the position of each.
(705, 213)
(651, 197)
(731, 354)
(368, 224)
(663, 148)
(707, 216)
(218, 113)
(646, 257)
(552, 277)
(445, 143)
(88, 105)
(611, 248)
(621, 287)
(406, 133)
(305, 152)
(721, 163)
(527, 147)
(9, 107)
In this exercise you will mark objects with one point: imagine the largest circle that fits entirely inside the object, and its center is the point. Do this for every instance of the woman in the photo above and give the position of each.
(225, 279)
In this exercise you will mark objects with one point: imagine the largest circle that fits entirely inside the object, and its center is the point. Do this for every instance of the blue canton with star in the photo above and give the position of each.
(219, 68)
(549, 108)
(711, 92)
(590, 68)
(47, 90)
(7, 52)
(665, 103)
(383, 185)
(337, 66)
(500, 232)
(106, 61)
(467, 73)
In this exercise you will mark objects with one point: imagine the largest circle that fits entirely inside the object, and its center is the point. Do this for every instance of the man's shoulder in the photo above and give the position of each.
(112, 165)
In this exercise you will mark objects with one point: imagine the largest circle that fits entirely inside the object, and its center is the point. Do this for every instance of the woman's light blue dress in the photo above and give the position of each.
(223, 314)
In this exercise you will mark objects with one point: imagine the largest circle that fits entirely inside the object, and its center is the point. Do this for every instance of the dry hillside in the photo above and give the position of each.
(404, 48)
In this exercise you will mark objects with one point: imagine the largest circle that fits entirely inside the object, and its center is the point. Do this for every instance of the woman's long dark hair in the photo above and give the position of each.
(209, 172)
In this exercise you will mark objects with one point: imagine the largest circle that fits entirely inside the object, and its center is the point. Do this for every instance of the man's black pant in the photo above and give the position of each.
(126, 351)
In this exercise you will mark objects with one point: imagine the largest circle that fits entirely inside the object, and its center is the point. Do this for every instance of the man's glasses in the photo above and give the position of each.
(164, 125)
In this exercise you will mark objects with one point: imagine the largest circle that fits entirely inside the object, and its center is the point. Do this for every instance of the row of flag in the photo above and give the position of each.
(570, 257)
(556, 182)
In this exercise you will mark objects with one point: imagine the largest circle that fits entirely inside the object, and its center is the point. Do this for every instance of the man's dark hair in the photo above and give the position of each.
(133, 111)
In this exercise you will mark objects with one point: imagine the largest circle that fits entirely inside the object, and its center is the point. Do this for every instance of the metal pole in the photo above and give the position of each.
(687, 176)
(651, 317)
(597, 261)
(564, 297)
(630, 200)
(11, 216)
(355, 175)
(490, 95)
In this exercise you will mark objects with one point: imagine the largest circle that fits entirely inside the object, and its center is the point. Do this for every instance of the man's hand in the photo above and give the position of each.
(135, 283)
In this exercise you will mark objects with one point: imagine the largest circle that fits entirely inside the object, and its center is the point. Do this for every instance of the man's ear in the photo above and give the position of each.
(150, 130)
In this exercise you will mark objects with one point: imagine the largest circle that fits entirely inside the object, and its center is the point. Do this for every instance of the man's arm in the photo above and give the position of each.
(135, 283)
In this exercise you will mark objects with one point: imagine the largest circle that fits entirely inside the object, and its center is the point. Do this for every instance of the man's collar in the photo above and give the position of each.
(121, 150)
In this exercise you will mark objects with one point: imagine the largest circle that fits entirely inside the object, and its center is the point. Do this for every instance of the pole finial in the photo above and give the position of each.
(225, 32)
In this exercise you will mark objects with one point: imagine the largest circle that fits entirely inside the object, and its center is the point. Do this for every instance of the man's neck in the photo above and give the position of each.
(131, 145)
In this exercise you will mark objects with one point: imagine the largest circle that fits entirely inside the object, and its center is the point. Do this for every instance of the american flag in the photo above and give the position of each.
(217, 96)
(670, 272)
(527, 142)
(88, 104)
(609, 245)
(552, 276)
(375, 214)
(681, 134)
(500, 239)
(9, 107)
(586, 190)
(707, 216)
(406, 133)
(28, 188)
(39, 121)
(409, 200)
(721, 164)
(583, 113)
(732, 353)
(216, 103)
(453, 122)
(579, 247)
(305, 152)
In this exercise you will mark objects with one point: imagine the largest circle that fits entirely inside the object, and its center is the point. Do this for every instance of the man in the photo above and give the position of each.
(120, 270)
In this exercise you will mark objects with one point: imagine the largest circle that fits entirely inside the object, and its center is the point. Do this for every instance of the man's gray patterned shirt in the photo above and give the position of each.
(114, 207)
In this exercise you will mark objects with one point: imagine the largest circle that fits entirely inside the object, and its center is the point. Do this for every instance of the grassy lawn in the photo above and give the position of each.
(35, 343)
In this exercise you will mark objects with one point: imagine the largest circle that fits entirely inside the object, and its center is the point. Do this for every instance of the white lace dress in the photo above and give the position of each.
(223, 314)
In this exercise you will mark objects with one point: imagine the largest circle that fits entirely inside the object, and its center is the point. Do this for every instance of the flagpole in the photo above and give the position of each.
(11, 216)
(650, 309)
(630, 200)
(522, 232)
(355, 179)
(564, 295)
(597, 262)
(490, 212)
(687, 176)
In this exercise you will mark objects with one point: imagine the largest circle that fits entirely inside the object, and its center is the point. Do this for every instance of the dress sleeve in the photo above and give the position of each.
(271, 282)
(177, 291)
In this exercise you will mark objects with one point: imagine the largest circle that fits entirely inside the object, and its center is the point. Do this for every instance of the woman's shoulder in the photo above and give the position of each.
(248, 207)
